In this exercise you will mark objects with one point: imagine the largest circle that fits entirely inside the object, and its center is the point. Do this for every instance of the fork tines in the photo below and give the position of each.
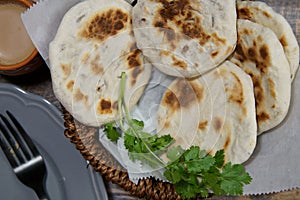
(16, 144)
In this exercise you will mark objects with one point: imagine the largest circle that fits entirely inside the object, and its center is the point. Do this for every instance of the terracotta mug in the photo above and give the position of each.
(18, 55)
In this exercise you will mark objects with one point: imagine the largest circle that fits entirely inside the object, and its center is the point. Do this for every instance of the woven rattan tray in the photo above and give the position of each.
(87, 141)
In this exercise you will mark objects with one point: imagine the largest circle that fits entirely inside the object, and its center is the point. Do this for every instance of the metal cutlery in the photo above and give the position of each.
(22, 154)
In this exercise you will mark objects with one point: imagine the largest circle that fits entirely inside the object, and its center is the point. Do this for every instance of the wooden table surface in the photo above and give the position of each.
(39, 82)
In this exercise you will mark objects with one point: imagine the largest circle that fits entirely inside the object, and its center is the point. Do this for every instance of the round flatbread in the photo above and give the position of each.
(260, 54)
(93, 46)
(263, 14)
(221, 109)
(185, 38)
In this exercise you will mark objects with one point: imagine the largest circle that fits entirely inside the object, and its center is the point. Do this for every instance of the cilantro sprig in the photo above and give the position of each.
(144, 146)
(193, 172)
(196, 173)
(141, 145)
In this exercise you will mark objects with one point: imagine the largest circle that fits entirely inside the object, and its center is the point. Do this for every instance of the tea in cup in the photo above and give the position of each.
(18, 54)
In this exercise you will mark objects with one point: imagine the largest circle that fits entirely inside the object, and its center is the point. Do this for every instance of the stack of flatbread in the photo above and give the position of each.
(234, 63)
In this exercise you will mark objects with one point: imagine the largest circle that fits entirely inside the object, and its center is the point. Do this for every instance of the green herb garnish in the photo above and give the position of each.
(140, 145)
(196, 173)
(112, 132)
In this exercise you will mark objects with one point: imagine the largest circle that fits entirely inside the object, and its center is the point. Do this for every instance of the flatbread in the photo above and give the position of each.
(93, 45)
(260, 54)
(263, 14)
(185, 38)
(221, 108)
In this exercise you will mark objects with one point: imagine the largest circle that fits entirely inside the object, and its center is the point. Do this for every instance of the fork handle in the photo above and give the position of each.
(43, 196)
(41, 193)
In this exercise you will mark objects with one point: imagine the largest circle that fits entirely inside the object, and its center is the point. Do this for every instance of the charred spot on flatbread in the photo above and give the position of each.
(133, 58)
(236, 93)
(202, 125)
(184, 95)
(227, 142)
(263, 116)
(179, 63)
(134, 63)
(95, 66)
(79, 96)
(244, 13)
(170, 100)
(217, 124)
(104, 106)
(258, 91)
(66, 69)
(283, 41)
(70, 85)
(105, 24)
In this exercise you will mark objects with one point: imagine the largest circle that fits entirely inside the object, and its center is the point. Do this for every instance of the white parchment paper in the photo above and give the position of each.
(42, 20)
(275, 163)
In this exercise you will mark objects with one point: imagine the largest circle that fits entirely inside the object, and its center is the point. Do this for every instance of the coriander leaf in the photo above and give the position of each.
(219, 157)
(232, 187)
(200, 165)
(111, 132)
(237, 172)
(144, 148)
(212, 180)
(137, 125)
(191, 179)
(233, 178)
(174, 175)
(132, 143)
(192, 153)
(159, 143)
(138, 145)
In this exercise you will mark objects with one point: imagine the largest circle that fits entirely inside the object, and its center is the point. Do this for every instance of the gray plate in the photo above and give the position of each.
(69, 178)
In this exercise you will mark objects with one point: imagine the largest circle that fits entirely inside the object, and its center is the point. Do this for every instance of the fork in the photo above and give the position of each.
(25, 159)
